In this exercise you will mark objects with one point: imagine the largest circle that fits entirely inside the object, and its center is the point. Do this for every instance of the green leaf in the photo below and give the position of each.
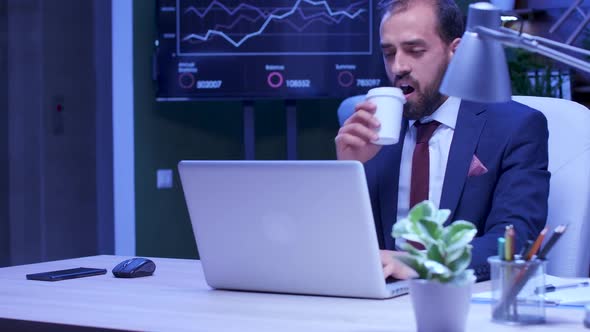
(443, 278)
(410, 249)
(459, 234)
(436, 268)
(434, 253)
(411, 231)
(426, 230)
(421, 210)
(442, 216)
(455, 227)
(399, 228)
(462, 262)
(463, 240)
(404, 228)
(432, 229)
(415, 263)
(417, 229)
(453, 254)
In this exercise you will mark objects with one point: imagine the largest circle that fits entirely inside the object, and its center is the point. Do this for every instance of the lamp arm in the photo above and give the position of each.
(547, 41)
(561, 57)
(515, 40)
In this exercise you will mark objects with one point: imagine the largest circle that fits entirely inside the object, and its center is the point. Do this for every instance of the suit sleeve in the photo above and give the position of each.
(521, 192)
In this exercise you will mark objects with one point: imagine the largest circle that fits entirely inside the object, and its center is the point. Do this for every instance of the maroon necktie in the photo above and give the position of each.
(421, 162)
(421, 167)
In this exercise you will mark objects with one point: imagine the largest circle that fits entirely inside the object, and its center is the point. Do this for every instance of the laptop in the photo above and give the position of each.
(296, 227)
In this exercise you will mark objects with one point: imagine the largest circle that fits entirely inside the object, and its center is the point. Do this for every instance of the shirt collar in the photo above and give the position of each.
(446, 113)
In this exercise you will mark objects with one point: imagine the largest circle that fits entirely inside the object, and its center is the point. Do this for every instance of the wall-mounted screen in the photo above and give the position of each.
(252, 49)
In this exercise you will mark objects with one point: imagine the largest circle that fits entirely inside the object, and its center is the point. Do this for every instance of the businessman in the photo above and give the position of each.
(487, 163)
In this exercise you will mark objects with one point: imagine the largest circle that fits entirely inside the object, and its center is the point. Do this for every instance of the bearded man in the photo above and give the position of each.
(487, 163)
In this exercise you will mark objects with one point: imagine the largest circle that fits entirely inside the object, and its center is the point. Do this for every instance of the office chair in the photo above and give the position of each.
(569, 164)
(569, 187)
(346, 107)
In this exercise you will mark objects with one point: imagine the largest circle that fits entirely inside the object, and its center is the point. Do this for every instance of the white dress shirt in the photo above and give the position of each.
(438, 149)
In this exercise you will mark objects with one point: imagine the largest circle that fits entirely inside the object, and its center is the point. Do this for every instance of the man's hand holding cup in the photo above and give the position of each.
(375, 122)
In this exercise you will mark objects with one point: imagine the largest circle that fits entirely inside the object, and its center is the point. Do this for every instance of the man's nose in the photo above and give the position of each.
(400, 67)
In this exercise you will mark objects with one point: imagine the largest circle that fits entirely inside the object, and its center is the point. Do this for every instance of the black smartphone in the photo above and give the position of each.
(78, 272)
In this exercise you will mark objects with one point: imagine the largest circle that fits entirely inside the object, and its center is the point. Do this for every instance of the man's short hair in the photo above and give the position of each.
(450, 18)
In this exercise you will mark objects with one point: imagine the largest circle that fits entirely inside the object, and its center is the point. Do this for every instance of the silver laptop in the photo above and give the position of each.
(299, 227)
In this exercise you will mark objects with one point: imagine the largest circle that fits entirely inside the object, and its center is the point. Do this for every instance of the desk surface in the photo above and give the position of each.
(177, 298)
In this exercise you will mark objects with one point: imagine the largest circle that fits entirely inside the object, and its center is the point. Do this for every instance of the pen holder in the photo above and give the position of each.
(518, 291)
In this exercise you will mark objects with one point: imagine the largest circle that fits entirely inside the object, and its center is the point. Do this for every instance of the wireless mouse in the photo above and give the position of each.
(134, 267)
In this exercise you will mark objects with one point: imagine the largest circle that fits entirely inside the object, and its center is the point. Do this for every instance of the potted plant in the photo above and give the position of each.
(532, 75)
(442, 291)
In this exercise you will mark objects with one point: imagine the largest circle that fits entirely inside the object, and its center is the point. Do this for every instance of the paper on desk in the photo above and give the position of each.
(577, 297)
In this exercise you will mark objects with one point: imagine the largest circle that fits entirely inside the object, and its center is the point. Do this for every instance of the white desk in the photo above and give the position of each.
(177, 298)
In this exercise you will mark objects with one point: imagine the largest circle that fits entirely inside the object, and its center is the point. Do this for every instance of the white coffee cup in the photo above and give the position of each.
(390, 106)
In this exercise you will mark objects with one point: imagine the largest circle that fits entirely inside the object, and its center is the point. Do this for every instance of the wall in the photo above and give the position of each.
(25, 96)
(4, 229)
(104, 125)
(52, 152)
(166, 133)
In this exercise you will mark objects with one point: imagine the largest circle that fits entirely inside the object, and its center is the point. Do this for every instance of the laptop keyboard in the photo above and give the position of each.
(397, 287)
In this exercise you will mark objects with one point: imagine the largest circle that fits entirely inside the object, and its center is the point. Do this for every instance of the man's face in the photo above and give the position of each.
(415, 57)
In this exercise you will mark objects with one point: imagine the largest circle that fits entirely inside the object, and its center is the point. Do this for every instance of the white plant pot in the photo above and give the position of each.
(504, 5)
(440, 307)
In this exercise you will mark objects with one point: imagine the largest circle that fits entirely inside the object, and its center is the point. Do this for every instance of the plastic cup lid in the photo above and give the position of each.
(386, 91)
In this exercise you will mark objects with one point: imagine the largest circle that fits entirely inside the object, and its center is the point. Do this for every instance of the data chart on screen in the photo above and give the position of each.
(267, 48)
(302, 27)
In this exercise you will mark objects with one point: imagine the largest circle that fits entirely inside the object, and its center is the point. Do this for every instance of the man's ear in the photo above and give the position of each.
(454, 45)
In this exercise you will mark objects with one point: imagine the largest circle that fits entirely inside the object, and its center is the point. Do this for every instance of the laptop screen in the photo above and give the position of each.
(302, 227)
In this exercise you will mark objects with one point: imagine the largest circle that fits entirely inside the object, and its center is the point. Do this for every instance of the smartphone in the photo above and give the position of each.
(66, 274)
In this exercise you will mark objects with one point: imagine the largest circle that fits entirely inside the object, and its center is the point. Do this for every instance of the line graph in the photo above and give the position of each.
(273, 27)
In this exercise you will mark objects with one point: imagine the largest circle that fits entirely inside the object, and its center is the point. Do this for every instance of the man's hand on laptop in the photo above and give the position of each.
(393, 267)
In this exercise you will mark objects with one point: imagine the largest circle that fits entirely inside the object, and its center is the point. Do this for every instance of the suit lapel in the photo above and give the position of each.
(465, 139)
(388, 186)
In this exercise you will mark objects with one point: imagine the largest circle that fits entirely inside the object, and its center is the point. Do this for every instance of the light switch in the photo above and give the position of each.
(164, 179)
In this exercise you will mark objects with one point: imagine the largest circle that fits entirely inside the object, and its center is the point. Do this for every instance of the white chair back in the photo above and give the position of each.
(569, 188)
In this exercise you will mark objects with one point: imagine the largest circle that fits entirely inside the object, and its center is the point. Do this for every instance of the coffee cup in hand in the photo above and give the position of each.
(390, 103)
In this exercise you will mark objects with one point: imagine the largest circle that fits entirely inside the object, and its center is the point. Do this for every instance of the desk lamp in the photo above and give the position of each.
(478, 70)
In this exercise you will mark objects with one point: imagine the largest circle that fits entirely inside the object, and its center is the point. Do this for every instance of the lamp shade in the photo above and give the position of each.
(478, 71)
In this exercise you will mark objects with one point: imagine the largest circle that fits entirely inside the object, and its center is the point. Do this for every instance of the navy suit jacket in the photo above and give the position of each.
(510, 140)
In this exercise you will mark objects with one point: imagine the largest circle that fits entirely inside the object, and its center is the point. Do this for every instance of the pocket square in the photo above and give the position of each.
(476, 168)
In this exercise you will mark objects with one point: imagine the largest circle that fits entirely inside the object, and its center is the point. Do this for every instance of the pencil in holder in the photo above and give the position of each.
(518, 291)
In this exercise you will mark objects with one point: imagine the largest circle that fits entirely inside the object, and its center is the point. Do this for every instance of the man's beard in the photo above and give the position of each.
(428, 101)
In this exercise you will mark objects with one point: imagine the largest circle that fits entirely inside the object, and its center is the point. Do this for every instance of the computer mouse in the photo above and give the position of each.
(134, 267)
